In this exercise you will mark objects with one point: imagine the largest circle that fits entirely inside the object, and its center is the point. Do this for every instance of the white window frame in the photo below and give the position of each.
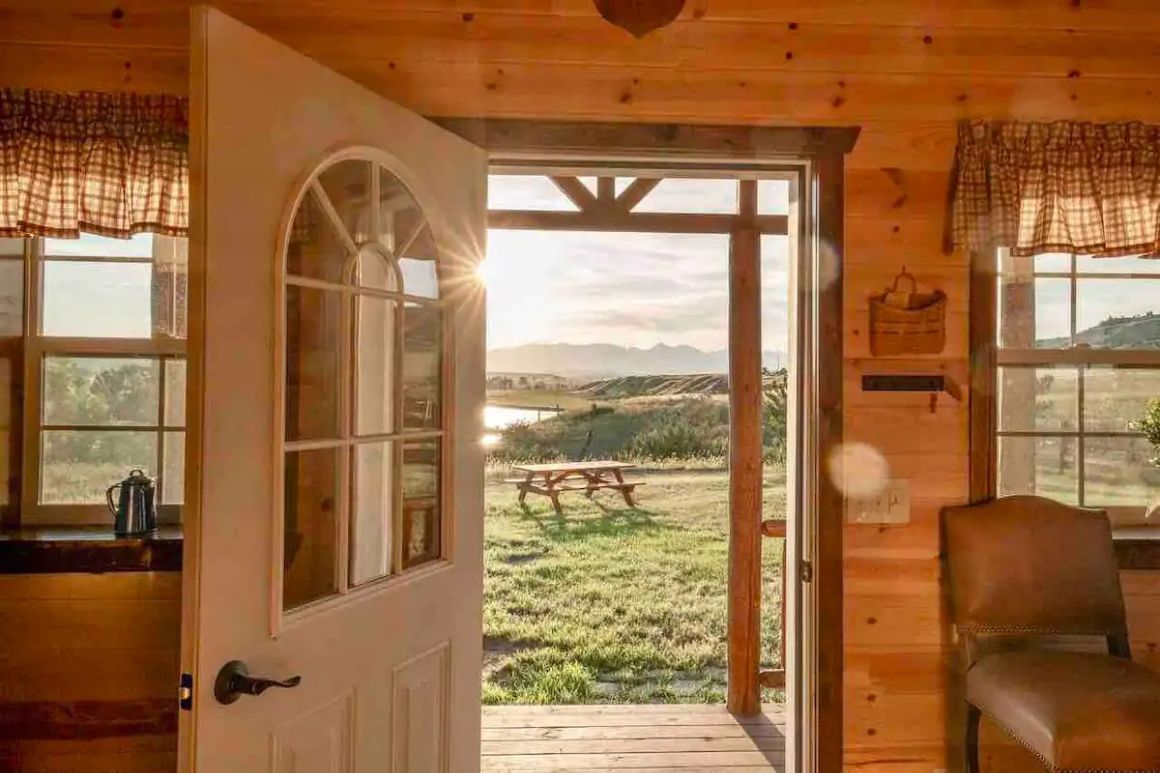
(1078, 359)
(38, 347)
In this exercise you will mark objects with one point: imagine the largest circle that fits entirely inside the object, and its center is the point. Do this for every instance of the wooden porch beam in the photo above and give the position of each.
(745, 482)
(576, 192)
(635, 192)
(618, 221)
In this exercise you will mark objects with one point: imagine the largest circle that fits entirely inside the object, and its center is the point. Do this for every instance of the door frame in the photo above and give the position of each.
(817, 559)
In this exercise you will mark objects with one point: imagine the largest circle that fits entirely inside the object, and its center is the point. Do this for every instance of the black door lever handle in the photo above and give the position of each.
(234, 681)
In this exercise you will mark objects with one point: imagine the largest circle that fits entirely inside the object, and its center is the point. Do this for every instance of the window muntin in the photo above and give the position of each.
(1078, 358)
(363, 354)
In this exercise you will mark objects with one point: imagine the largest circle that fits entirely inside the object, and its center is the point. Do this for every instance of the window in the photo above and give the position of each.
(1078, 358)
(363, 400)
(104, 361)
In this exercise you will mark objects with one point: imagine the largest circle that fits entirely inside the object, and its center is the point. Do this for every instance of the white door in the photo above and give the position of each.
(337, 379)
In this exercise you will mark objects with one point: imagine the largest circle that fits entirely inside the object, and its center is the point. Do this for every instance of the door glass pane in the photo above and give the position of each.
(313, 338)
(173, 469)
(1038, 399)
(310, 549)
(371, 521)
(101, 391)
(348, 186)
(314, 249)
(422, 372)
(679, 194)
(421, 509)
(1044, 466)
(97, 300)
(175, 393)
(1117, 313)
(1119, 471)
(1114, 398)
(376, 365)
(77, 466)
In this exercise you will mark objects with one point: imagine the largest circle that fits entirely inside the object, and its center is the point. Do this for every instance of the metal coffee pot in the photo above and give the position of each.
(135, 511)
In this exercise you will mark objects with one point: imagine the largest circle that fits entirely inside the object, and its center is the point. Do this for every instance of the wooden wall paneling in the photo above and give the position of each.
(88, 671)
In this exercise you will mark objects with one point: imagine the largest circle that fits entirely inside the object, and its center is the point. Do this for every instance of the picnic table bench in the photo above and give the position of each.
(550, 480)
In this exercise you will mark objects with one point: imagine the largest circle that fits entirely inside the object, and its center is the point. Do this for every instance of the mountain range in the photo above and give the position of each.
(602, 360)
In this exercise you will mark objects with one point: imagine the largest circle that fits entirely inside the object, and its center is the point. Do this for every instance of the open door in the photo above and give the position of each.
(335, 474)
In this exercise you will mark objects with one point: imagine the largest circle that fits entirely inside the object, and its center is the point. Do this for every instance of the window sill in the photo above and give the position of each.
(87, 550)
(1137, 547)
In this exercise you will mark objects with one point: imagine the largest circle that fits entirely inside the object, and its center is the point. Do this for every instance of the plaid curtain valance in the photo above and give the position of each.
(1081, 188)
(113, 164)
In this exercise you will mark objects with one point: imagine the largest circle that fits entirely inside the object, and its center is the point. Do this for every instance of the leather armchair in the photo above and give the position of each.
(1026, 574)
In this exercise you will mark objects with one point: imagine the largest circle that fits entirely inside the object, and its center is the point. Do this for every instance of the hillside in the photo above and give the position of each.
(1141, 332)
(703, 384)
(606, 360)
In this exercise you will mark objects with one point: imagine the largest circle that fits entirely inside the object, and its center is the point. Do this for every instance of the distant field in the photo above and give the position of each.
(539, 398)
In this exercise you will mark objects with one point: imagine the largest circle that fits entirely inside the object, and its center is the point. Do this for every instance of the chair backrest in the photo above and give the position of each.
(1029, 565)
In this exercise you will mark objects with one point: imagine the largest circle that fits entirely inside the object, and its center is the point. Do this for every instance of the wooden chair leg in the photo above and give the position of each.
(971, 742)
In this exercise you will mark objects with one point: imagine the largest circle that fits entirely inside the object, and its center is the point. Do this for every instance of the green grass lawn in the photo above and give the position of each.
(611, 604)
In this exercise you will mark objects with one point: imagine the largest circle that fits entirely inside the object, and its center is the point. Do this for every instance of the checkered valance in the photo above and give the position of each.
(107, 163)
(1082, 188)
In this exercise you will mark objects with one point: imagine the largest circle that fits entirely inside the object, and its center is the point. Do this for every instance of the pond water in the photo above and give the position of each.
(501, 416)
(497, 417)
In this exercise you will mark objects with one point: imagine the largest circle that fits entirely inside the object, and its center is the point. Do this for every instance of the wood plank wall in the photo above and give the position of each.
(905, 71)
(88, 672)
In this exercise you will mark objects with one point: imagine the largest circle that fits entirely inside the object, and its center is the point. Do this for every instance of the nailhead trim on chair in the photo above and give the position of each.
(1044, 761)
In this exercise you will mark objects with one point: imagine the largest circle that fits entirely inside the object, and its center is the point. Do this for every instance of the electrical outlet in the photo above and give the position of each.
(891, 505)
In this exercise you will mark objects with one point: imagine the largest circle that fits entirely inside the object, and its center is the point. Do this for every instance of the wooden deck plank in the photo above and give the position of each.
(631, 739)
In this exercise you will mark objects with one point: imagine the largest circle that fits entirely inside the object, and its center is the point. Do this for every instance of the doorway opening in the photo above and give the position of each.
(641, 342)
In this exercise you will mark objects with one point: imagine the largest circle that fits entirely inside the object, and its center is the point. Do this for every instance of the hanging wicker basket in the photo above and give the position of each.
(905, 321)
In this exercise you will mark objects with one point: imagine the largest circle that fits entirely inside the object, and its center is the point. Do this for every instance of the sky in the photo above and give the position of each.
(631, 289)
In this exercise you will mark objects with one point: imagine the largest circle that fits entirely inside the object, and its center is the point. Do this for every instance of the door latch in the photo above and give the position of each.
(185, 693)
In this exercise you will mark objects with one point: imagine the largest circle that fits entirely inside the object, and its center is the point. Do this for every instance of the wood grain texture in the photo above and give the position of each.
(854, 63)
(88, 671)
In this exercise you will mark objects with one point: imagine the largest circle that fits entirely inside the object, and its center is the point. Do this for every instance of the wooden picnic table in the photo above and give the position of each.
(550, 480)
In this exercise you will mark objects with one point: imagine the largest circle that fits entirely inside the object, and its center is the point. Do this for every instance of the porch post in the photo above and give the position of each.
(745, 480)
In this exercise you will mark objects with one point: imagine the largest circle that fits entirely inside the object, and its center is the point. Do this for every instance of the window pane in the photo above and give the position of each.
(311, 518)
(94, 246)
(526, 191)
(371, 521)
(101, 391)
(1044, 466)
(314, 249)
(11, 297)
(1114, 398)
(348, 186)
(175, 371)
(422, 371)
(680, 194)
(1038, 399)
(1035, 314)
(313, 337)
(376, 366)
(173, 469)
(1118, 313)
(1086, 264)
(421, 511)
(773, 197)
(12, 247)
(1118, 471)
(78, 466)
(97, 300)
(420, 277)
